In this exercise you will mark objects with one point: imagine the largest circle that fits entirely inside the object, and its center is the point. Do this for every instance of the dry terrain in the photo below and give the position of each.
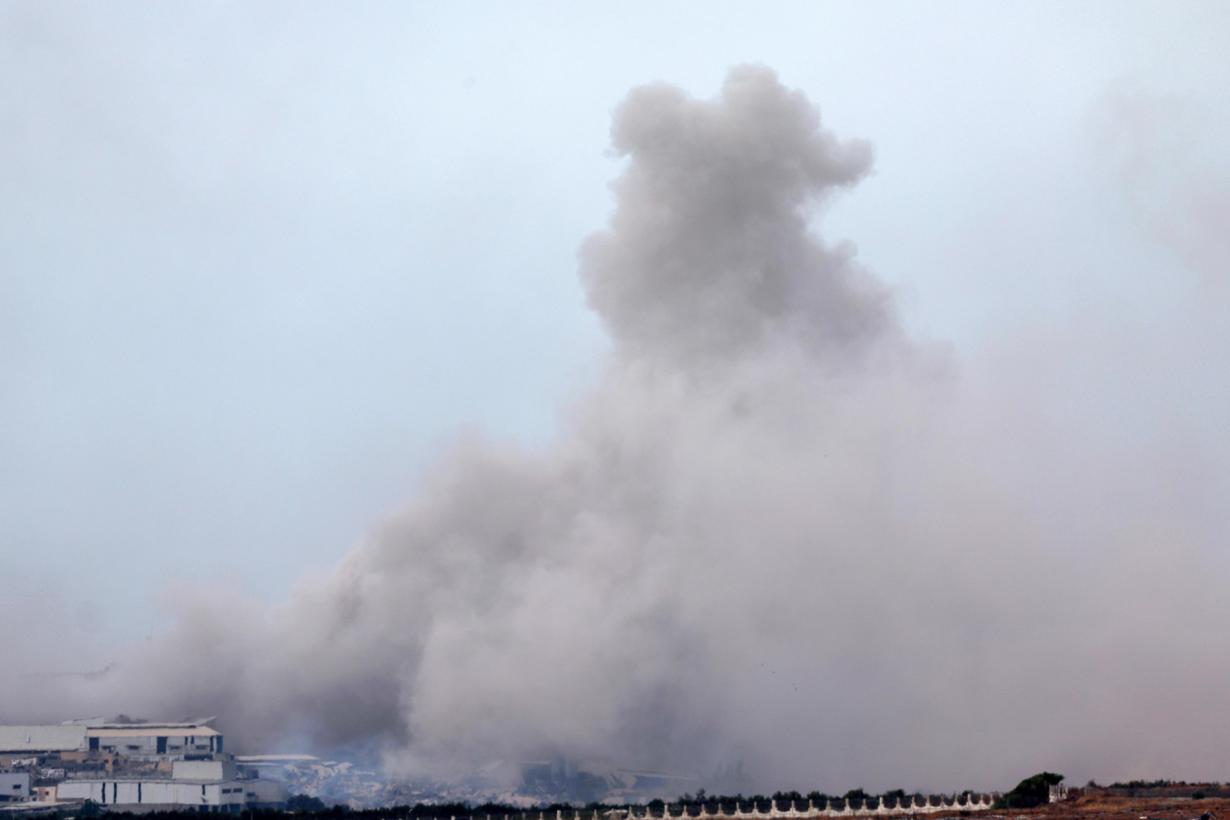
(1101, 806)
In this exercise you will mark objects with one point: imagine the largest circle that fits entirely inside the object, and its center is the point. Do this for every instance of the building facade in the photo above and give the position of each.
(127, 766)
(14, 787)
(147, 742)
(157, 795)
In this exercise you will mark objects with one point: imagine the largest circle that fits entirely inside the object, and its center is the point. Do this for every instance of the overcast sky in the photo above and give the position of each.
(259, 261)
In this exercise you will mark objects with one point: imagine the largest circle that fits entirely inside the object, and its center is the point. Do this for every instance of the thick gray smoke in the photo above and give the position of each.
(708, 255)
(776, 533)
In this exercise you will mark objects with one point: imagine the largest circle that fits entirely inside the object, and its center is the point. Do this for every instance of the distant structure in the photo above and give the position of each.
(127, 766)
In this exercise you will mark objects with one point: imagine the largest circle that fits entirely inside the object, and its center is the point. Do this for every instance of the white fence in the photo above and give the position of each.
(871, 807)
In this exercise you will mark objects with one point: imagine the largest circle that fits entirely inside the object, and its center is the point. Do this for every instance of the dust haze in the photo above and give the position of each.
(777, 532)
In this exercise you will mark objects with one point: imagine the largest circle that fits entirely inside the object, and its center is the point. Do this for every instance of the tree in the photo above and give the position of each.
(1032, 791)
(785, 799)
(305, 804)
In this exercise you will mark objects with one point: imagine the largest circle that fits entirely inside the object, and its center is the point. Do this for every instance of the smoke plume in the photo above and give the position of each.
(776, 532)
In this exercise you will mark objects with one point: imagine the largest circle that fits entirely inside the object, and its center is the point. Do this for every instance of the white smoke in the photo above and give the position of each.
(776, 533)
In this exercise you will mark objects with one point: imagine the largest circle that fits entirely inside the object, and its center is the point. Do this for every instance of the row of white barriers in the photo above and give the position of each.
(892, 807)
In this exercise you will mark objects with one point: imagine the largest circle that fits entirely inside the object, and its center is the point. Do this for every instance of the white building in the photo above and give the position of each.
(14, 787)
(149, 741)
(131, 766)
(138, 741)
(203, 785)
(156, 795)
(34, 740)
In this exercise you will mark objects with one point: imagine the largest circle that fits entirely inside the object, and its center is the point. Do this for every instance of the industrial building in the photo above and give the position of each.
(203, 785)
(152, 741)
(140, 741)
(14, 787)
(128, 766)
(34, 740)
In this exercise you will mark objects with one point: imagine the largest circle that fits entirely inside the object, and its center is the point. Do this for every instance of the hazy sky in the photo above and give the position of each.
(259, 261)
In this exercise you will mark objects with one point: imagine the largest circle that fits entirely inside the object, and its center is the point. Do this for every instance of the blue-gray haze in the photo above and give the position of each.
(940, 511)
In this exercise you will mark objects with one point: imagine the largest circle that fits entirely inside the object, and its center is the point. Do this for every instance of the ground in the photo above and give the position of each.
(1101, 806)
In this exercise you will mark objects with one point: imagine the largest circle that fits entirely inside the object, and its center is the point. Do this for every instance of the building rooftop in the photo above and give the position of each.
(150, 730)
(41, 738)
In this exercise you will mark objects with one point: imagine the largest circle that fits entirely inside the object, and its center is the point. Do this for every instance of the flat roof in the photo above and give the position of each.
(152, 731)
(175, 781)
(45, 738)
(36, 807)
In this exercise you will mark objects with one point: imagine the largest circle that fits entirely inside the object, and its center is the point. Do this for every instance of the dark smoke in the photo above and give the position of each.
(777, 533)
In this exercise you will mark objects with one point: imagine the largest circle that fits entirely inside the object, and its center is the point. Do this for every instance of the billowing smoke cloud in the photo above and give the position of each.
(775, 533)
(708, 255)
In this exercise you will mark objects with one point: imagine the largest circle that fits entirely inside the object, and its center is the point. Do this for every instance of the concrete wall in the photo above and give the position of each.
(204, 770)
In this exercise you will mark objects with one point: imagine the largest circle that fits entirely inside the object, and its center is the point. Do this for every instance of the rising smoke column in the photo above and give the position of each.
(607, 597)
(776, 533)
(564, 603)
